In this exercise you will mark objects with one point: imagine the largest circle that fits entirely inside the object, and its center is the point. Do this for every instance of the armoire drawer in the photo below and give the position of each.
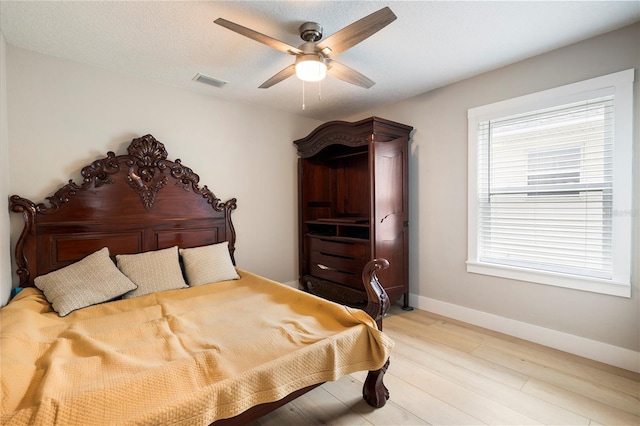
(348, 278)
(354, 250)
(341, 263)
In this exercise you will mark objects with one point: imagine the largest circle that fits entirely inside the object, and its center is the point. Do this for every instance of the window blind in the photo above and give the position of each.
(545, 189)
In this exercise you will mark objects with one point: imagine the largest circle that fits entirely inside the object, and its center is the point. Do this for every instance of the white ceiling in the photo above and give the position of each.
(431, 44)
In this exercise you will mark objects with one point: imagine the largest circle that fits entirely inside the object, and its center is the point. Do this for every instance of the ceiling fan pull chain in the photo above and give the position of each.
(320, 90)
(303, 95)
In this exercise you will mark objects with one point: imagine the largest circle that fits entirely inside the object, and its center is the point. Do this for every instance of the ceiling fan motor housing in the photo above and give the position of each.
(311, 31)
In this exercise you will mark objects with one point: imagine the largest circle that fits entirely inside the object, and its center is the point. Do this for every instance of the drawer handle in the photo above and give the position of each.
(325, 267)
(329, 268)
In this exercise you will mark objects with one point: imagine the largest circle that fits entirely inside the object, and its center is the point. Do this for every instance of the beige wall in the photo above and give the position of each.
(64, 115)
(438, 206)
(5, 258)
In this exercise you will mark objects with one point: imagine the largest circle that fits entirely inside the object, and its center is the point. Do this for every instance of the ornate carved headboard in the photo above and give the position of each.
(129, 203)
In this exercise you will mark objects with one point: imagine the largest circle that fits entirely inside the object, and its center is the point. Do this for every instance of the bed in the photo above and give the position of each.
(132, 310)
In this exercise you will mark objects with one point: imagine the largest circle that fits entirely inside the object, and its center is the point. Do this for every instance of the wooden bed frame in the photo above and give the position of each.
(141, 202)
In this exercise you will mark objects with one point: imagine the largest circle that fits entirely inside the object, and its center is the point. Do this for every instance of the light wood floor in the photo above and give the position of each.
(445, 372)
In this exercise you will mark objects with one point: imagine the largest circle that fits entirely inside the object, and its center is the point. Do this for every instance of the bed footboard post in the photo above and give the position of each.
(374, 392)
(377, 299)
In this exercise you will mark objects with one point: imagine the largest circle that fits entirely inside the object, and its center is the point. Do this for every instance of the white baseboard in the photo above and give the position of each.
(592, 349)
(293, 284)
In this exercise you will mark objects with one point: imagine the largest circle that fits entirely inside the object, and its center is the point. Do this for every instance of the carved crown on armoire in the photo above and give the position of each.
(354, 207)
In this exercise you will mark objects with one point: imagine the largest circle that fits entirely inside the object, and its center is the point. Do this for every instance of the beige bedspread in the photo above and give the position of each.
(187, 356)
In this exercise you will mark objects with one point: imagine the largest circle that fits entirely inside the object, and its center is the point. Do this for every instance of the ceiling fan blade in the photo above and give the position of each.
(353, 34)
(344, 73)
(285, 73)
(264, 39)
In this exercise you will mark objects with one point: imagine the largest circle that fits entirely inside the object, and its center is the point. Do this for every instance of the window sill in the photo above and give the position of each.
(553, 279)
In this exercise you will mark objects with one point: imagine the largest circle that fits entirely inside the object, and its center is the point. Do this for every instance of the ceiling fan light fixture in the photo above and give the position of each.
(311, 67)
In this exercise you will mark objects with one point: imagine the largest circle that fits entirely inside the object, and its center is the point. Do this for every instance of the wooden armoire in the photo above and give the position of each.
(353, 207)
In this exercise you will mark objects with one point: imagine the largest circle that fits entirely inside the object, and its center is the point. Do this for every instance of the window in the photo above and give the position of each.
(550, 180)
(553, 167)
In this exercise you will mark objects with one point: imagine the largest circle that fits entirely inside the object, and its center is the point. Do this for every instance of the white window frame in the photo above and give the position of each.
(619, 84)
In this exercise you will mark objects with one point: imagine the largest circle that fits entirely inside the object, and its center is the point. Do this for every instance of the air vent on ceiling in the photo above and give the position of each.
(205, 79)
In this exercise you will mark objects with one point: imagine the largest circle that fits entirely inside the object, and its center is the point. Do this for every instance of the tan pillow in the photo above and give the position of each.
(208, 264)
(152, 271)
(92, 280)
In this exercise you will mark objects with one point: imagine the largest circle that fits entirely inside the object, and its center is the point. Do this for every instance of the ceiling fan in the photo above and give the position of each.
(314, 57)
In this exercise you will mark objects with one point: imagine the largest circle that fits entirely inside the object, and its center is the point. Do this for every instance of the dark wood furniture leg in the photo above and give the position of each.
(374, 391)
(405, 305)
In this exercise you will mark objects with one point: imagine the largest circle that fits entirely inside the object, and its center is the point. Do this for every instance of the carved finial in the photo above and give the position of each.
(148, 154)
